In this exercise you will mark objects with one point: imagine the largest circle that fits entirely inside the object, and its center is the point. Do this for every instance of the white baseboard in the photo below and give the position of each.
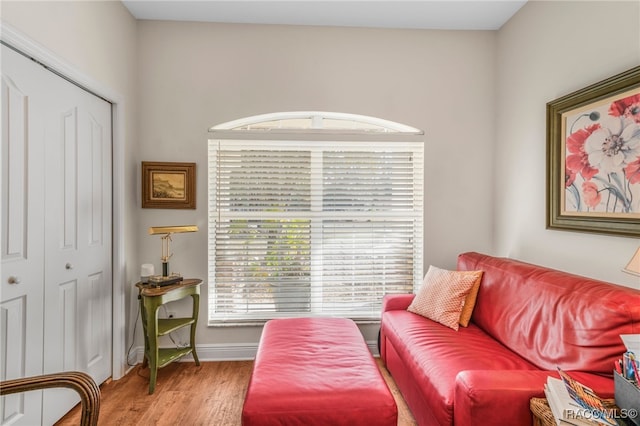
(224, 352)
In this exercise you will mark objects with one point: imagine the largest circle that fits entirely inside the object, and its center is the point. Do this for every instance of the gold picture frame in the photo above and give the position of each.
(593, 158)
(168, 185)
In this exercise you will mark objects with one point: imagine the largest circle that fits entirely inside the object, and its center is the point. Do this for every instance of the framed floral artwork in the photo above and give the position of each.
(593, 158)
(168, 185)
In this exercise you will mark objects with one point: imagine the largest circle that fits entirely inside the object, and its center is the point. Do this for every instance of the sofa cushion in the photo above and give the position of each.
(442, 295)
(554, 318)
(435, 354)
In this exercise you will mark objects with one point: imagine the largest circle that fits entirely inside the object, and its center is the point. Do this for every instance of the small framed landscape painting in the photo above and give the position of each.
(593, 158)
(168, 185)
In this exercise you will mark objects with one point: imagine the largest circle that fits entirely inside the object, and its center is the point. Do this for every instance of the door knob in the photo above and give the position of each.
(13, 280)
(68, 266)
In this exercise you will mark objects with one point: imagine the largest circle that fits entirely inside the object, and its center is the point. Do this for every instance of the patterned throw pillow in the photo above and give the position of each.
(442, 295)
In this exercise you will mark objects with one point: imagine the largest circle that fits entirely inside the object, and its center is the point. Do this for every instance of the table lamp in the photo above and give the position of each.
(633, 267)
(166, 239)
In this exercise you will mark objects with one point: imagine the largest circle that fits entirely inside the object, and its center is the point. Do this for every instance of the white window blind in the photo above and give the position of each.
(304, 228)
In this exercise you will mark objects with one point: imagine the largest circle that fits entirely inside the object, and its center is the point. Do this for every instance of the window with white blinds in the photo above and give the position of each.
(305, 228)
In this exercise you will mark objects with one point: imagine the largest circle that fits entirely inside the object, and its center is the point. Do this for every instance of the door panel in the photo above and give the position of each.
(97, 330)
(22, 263)
(77, 239)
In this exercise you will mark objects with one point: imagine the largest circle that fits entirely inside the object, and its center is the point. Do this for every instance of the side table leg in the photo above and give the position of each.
(195, 355)
(144, 319)
(152, 326)
(196, 309)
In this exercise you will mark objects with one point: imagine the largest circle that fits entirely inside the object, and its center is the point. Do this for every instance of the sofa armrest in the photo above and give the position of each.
(502, 396)
(391, 302)
(396, 302)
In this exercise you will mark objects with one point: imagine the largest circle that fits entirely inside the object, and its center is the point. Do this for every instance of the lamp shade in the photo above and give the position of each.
(633, 267)
(172, 229)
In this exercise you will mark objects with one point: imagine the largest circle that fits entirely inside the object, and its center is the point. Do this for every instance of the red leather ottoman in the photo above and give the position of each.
(316, 371)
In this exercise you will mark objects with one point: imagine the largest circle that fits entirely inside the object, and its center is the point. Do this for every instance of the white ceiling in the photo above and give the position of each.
(416, 14)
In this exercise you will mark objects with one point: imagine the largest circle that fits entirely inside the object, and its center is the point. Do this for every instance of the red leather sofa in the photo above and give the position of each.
(528, 320)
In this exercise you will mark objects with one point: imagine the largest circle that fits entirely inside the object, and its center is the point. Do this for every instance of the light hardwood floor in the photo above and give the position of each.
(211, 394)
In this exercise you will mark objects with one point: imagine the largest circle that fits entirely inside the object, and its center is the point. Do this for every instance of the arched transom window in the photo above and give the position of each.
(316, 120)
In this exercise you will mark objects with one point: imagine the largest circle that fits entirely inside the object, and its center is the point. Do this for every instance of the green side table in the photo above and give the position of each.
(151, 298)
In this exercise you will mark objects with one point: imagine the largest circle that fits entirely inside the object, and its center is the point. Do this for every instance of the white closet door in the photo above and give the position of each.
(74, 135)
(21, 308)
(77, 291)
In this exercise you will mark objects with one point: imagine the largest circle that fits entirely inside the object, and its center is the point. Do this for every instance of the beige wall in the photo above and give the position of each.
(195, 75)
(96, 37)
(550, 49)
